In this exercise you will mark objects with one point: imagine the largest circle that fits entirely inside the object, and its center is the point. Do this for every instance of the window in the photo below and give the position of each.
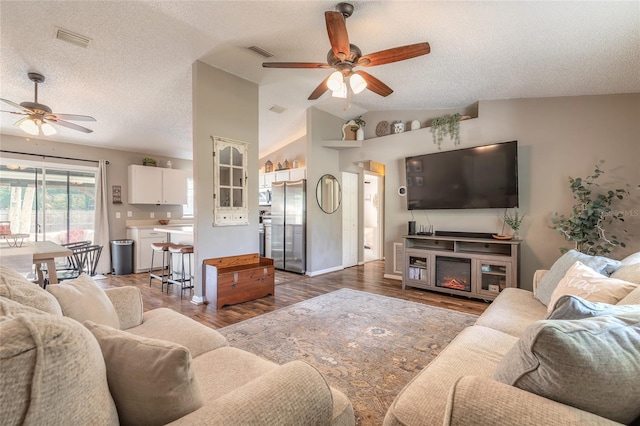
(50, 202)
(187, 209)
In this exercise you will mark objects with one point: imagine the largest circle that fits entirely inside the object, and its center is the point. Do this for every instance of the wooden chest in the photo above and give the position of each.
(236, 279)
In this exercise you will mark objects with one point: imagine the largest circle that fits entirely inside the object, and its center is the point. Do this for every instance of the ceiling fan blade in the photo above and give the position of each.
(14, 112)
(20, 107)
(338, 37)
(319, 91)
(74, 117)
(394, 55)
(68, 125)
(375, 85)
(295, 65)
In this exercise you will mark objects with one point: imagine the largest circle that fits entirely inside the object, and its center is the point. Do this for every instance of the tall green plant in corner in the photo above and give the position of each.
(590, 216)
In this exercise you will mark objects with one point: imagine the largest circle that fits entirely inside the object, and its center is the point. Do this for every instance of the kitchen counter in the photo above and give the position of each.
(175, 229)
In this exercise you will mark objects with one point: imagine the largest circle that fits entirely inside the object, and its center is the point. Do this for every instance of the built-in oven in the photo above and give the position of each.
(265, 197)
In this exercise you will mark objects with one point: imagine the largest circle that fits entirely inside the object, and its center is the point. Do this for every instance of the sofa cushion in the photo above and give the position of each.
(475, 351)
(10, 308)
(591, 364)
(584, 282)
(551, 279)
(512, 312)
(52, 372)
(152, 381)
(167, 324)
(632, 298)
(629, 273)
(84, 300)
(569, 307)
(631, 259)
(16, 287)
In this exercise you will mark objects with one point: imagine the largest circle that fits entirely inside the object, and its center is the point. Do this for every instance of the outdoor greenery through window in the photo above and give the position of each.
(49, 202)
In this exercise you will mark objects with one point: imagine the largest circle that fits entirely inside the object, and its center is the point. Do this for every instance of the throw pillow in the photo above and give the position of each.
(558, 270)
(587, 364)
(569, 307)
(582, 281)
(10, 308)
(52, 373)
(632, 298)
(632, 259)
(16, 287)
(629, 273)
(152, 381)
(82, 299)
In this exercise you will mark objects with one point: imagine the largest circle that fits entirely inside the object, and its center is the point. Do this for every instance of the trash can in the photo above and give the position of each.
(121, 257)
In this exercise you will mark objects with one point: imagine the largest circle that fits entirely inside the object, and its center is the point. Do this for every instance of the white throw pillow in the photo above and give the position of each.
(632, 259)
(584, 282)
(82, 299)
(16, 287)
(629, 273)
(550, 280)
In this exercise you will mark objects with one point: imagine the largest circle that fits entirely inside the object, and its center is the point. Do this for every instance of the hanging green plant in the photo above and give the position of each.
(447, 125)
(590, 216)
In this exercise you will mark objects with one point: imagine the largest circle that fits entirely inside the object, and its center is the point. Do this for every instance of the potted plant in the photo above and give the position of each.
(148, 161)
(447, 125)
(513, 220)
(590, 216)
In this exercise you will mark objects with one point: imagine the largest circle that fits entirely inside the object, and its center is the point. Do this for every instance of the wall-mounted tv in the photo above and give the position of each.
(473, 178)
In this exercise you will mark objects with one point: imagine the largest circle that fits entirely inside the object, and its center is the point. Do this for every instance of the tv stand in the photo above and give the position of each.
(466, 266)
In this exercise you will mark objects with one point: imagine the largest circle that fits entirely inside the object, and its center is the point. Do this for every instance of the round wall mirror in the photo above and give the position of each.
(328, 194)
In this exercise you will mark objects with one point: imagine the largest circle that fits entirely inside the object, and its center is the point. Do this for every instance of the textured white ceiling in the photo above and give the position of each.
(135, 77)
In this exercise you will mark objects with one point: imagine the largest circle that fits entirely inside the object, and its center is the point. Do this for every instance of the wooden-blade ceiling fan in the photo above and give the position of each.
(344, 57)
(39, 117)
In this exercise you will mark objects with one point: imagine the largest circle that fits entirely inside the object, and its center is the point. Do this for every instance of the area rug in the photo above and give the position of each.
(366, 345)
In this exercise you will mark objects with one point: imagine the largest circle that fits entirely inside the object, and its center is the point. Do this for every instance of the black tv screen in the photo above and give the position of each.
(473, 178)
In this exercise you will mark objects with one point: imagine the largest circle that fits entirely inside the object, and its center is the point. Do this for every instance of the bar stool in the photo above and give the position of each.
(184, 280)
(162, 248)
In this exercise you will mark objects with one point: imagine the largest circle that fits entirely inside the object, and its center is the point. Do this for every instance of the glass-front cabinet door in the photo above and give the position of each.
(230, 182)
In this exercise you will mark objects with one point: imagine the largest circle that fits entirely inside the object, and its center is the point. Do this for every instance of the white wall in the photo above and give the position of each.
(558, 137)
(227, 106)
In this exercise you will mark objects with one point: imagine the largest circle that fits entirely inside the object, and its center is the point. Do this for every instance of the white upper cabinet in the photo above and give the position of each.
(155, 185)
(266, 179)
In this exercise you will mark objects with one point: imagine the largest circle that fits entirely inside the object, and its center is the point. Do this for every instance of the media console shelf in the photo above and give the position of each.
(474, 267)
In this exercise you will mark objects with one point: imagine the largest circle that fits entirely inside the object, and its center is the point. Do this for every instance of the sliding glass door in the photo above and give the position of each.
(50, 203)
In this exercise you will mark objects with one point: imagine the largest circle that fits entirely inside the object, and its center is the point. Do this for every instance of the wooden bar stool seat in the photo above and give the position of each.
(184, 279)
(165, 272)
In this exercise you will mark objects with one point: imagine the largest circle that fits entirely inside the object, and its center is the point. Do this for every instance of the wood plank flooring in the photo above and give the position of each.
(290, 288)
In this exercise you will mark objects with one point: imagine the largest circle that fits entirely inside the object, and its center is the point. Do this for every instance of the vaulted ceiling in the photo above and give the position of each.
(135, 75)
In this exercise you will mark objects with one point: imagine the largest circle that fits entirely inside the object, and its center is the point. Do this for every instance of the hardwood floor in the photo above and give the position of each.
(290, 288)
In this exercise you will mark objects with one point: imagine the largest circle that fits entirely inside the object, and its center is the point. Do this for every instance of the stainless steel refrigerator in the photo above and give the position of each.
(289, 225)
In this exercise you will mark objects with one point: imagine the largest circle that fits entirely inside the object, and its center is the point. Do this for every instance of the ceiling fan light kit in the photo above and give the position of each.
(40, 118)
(344, 57)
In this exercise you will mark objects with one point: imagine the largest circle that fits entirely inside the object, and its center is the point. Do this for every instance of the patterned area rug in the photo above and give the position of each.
(366, 345)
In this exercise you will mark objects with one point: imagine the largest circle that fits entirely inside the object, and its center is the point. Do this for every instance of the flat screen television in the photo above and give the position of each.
(482, 177)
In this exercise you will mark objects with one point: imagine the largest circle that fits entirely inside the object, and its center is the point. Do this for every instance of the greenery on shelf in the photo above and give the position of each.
(360, 122)
(149, 161)
(590, 217)
(447, 125)
(513, 220)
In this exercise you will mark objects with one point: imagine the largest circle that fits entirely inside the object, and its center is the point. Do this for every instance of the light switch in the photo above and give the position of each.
(129, 214)
(152, 215)
(117, 215)
(168, 215)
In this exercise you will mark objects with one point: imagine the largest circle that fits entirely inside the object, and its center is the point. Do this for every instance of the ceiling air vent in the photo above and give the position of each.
(260, 51)
(71, 37)
(277, 109)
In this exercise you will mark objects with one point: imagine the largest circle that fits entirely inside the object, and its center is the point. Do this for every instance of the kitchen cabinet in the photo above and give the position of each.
(267, 179)
(142, 240)
(154, 185)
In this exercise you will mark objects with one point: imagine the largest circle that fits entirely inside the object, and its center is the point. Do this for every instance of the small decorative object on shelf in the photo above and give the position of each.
(397, 127)
(148, 161)
(447, 125)
(279, 166)
(286, 165)
(415, 125)
(513, 221)
(169, 164)
(296, 164)
(349, 130)
(268, 166)
(360, 132)
(382, 129)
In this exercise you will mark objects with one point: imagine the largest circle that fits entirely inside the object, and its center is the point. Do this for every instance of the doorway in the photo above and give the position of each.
(373, 211)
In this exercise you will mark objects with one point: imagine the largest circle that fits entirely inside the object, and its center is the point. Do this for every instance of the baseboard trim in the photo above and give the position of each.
(324, 271)
(198, 300)
(393, 277)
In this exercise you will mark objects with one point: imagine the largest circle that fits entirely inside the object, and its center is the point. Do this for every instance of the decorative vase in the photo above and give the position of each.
(360, 134)
(516, 235)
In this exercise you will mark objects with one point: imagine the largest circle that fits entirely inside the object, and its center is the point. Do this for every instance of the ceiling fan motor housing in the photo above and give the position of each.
(354, 55)
(36, 107)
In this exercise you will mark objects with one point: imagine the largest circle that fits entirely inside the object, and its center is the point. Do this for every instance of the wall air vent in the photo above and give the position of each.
(71, 37)
(260, 51)
(277, 109)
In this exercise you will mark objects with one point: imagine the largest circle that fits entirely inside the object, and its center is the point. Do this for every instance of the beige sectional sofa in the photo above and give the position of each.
(458, 387)
(54, 369)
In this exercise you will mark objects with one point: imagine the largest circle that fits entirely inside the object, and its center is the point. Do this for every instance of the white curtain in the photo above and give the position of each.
(102, 220)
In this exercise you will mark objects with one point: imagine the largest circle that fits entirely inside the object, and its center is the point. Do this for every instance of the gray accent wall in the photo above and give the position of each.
(227, 106)
(558, 138)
